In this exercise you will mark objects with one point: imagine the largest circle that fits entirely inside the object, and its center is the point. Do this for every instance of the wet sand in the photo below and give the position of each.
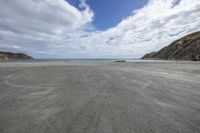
(100, 97)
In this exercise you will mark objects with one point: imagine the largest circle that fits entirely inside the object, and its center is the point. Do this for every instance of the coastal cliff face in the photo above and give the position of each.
(13, 56)
(186, 48)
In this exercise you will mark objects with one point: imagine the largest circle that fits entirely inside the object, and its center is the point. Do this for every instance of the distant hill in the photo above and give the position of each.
(13, 56)
(186, 48)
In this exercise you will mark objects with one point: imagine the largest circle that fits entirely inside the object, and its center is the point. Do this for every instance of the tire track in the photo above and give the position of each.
(7, 79)
(86, 114)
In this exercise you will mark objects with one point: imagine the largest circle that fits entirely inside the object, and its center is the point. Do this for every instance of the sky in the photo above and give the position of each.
(108, 13)
(94, 28)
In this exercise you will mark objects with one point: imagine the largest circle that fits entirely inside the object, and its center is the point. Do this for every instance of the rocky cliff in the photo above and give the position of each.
(186, 48)
(13, 56)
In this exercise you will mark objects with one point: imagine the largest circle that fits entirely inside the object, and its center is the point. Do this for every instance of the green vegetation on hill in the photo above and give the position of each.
(186, 48)
(13, 56)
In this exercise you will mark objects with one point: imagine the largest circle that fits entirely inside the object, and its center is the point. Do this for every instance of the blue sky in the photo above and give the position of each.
(94, 28)
(108, 13)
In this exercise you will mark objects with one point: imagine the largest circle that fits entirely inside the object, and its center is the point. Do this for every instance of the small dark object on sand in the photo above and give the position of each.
(120, 61)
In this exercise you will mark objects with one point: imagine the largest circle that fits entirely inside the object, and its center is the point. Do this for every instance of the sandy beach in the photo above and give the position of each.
(100, 97)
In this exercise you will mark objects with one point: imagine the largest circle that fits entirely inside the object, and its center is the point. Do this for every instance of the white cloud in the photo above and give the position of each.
(54, 28)
(37, 25)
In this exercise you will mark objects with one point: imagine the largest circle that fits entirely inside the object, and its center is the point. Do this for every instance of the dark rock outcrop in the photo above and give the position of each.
(13, 56)
(120, 61)
(186, 48)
